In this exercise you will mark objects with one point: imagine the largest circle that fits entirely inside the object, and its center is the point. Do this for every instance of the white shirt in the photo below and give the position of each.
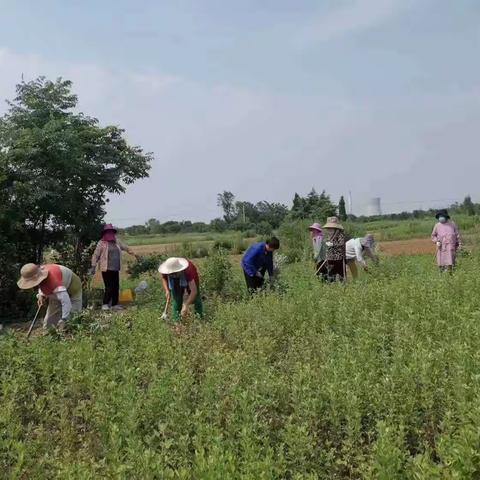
(355, 250)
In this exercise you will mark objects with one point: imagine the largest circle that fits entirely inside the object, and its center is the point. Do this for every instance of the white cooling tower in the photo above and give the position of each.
(374, 207)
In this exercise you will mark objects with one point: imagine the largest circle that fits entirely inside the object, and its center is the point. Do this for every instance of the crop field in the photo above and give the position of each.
(376, 379)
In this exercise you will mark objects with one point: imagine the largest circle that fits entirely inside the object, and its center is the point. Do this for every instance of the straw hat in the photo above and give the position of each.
(315, 226)
(173, 265)
(31, 275)
(332, 222)
(108, 227)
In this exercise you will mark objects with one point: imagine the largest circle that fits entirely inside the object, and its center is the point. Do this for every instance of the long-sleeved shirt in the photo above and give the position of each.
(355, 249)
(102, 251)
(257, 259)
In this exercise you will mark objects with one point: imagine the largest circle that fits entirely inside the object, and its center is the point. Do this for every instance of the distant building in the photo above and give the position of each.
(374, 207)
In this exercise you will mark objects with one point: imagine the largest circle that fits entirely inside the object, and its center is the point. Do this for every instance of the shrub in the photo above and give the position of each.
(146, 264)
(217, 271)
(222, 245)
(294, 240)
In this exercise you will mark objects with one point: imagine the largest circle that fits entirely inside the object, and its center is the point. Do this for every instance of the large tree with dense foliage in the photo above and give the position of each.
(57, 167)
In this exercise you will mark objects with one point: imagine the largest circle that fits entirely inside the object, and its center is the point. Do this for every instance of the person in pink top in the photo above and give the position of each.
(446, 237)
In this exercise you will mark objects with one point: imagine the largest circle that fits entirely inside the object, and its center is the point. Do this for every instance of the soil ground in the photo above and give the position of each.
(413, 246)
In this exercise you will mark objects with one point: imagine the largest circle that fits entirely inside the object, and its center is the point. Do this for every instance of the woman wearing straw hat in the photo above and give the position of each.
(59, 285)
(109, 255)
(334, 265)
(445, 235)
(318, 245)
(180, 275)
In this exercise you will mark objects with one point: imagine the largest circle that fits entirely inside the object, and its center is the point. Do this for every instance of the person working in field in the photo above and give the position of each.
(356, 251)
(318, 244)
(180, 276)
(57, 284)
(333, 267)
(257, 260)
(109, 255)
(447, 239)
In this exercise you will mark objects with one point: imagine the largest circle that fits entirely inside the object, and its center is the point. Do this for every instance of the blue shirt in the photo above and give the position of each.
(257, 258)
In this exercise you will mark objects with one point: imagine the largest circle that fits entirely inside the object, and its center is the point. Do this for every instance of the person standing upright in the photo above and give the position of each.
(447, 239)
(318, 245)
(257, 260)
(334, 264)
(109, 255)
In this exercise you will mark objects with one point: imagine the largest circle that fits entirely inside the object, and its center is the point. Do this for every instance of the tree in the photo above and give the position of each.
(468, 206)
(342, 210)
(59, 166)
(299, 208)
(226, 201)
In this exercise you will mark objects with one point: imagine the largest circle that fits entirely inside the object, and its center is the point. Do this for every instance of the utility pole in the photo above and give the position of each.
(350, 203)
(243, 208)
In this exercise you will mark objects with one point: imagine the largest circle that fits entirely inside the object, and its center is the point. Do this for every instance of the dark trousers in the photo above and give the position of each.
(330, 269)
(111, 279)
(253, 283)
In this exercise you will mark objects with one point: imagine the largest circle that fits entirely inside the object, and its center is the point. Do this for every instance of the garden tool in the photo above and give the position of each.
(320, 267)
(33, 322)
(165, 314)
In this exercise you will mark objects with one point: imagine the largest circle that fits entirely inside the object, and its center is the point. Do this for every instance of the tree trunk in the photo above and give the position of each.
(41, 240)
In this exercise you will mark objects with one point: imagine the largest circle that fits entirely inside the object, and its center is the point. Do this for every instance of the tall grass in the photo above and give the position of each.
(377, 379)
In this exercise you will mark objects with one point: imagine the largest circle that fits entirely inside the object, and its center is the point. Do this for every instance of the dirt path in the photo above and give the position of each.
(413, 246)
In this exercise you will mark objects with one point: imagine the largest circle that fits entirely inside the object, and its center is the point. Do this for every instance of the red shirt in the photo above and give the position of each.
(191, 273)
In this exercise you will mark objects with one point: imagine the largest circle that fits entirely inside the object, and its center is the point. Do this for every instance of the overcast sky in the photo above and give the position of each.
(267, 97)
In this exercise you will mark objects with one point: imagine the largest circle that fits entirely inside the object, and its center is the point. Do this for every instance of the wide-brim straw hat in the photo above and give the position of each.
(173, 265)
(332, 222)
(442, 213)
(109, 228)
(31, 275)
(315, 226)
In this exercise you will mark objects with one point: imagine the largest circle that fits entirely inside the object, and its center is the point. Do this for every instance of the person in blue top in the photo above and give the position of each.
(257, 260)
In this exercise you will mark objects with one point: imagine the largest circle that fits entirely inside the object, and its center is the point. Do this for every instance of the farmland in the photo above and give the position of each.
(376, 379)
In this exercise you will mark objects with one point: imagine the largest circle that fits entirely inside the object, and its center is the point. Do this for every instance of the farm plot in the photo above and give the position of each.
(377, 379)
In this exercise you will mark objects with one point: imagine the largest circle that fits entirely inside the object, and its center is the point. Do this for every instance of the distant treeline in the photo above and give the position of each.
(263, 217)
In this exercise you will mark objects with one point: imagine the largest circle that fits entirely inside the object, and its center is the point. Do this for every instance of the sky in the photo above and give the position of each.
(266, 98)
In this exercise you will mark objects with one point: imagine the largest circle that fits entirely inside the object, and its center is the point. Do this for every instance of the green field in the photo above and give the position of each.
(178, 238)
(384, 230)
(379, 379)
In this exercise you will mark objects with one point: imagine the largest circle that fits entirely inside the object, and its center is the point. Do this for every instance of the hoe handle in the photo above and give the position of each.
(33, 322)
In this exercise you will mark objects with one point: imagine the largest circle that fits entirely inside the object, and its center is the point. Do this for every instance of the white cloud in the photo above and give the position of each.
(207, 138)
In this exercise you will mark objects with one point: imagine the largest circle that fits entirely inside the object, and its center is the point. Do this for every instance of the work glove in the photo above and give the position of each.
(259, 275)
(439, 244)
(329, 244)
(92, 270)
(164, 316)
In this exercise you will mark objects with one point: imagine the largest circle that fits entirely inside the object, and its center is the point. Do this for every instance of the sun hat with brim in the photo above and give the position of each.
(31, 275)
(109, 228)
(173, 265)
(315, 226)
(332, 222)
(442, 213)
(368, 241)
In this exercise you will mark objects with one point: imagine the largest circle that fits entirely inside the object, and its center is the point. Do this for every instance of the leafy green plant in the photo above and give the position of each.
(145, 264)
(216, 272)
